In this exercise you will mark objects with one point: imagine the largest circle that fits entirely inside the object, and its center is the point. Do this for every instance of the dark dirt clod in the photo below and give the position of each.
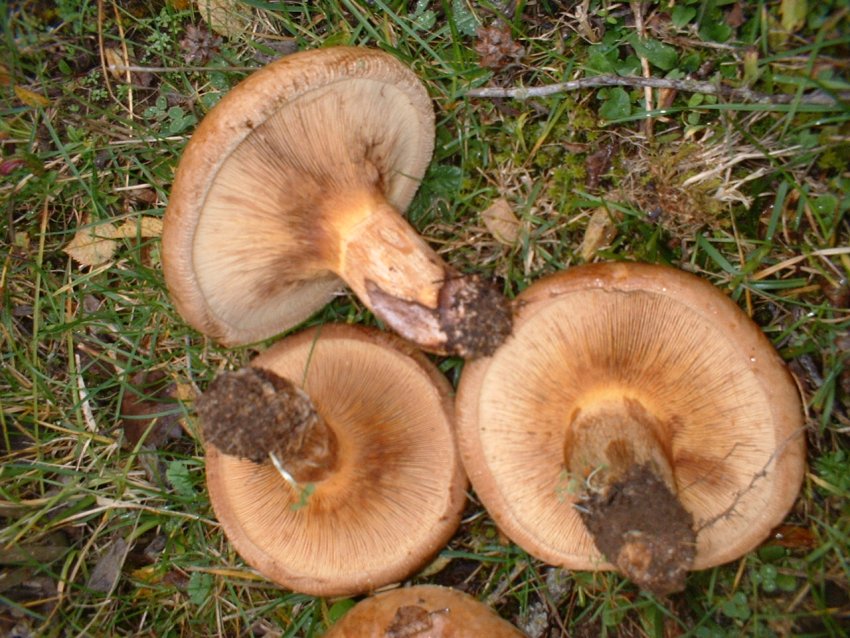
(474, 315)
(253, 412)
(640, 526)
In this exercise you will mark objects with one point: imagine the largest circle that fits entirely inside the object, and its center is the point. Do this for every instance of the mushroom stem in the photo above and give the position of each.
(253, 413)
(406, 284)
(629, 501)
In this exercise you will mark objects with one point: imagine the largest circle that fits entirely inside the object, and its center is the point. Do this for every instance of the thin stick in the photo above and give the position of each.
(688, 86)
(134, 68)
(637, 11)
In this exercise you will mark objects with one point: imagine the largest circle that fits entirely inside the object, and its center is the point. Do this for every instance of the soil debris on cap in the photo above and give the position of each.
(409, 621)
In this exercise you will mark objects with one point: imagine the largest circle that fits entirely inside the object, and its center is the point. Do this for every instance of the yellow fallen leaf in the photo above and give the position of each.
(501, 221)
(142, 227)
(232, 573)
(115, 63)
(225, 17)
(793, 14)
(185, 392)
(22, 240)
(436, 566)
(31, 98)
(94, 245)
(599, 233)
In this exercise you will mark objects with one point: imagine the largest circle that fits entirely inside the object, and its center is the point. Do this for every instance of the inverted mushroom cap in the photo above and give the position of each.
(663, 347)
(397, 490)
(242, 243)
(422, 611)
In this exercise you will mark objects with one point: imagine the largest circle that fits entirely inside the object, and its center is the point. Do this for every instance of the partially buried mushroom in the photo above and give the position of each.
(636, 418)
(294, 180)
(422, 611)
(331, 461)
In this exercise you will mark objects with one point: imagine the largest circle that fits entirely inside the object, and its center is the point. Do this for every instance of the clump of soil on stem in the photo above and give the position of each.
(639, 525)
(253, 412)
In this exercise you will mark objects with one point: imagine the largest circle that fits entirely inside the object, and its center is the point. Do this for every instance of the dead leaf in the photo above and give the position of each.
(141, 227)
(31, 98)
(24, 586)
(436, 566)
(793, 14)
(496, 48)
(585, 29)
(599, 233)
(409, 621)
(501, 221)
(735, 16)
(838, 295)
(22, 241)
(225, 17)
(115, 63)
(185, 392)
(94, 245)
(146, 196)
(150, 406)
(666, 98)
(793, 537)
(5, 78)
(107, 570)
(199, 45)
(597, 164)
(41, 553)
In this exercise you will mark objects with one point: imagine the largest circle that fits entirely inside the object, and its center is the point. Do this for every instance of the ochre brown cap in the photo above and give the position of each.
(681, 361)
(397, 488)
(422, 611)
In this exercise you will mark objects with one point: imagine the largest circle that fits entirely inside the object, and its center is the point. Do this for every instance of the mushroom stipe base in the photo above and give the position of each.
(640, 525)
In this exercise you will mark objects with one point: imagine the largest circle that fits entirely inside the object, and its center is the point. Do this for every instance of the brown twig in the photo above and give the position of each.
(178, 69)
(687, 86)
(637, 11)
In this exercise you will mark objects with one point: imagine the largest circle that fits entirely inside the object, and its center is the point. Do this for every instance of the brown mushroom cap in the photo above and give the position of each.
(241, 251)
(398, 488)
(294, 182)
(655, 341)
(422, 611)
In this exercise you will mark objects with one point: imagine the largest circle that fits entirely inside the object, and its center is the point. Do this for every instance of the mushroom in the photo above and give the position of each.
(422, 611)
(331, 461)
(294, 180)
(636, 418)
